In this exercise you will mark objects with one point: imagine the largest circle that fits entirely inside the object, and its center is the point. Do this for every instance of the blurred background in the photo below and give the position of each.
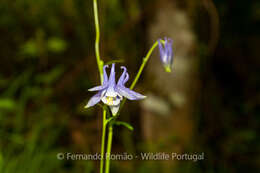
(209, 103)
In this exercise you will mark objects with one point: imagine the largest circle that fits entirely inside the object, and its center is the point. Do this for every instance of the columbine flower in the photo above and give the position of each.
(166, 54)
(111, 93)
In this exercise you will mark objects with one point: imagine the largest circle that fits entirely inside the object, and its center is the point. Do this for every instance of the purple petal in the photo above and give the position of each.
(94, 100)
(112, 80)
(169, 52)
(126, 78)
(170, 41)
(105, 78)
(166, 41)
(129, 94)
(168, 47)
(98, 88)
(161, 49)
(122, 77)
(105, 81)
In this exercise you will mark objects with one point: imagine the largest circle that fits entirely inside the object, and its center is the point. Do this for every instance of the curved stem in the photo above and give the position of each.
(145, 59)
(109, 146)
(100, 64)
(99, 61)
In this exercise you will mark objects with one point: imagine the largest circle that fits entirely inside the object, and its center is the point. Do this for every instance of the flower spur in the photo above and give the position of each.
(112, 93)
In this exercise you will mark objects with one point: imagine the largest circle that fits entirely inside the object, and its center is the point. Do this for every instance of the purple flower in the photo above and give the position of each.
(112, 93)
(166, 53)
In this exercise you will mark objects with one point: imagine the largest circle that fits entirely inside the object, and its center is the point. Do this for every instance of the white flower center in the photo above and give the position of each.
(111, 101)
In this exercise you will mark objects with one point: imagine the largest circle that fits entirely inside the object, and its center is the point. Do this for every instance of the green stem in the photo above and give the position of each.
(145, 59)
(103, 141)
(109, 146)
(99, 61)
(100, 64)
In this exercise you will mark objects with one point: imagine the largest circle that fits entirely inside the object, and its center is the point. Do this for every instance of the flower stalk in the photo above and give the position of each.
(100, 63)
(114, 94)
(141, 68)
(145, 59)
(109, 146)
(103, 141)
(100, 66)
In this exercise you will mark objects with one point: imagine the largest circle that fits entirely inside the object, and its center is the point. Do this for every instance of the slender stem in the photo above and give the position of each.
(103, 141)
(109, 145)
(145, 59)
(100, 64)
(99, 61)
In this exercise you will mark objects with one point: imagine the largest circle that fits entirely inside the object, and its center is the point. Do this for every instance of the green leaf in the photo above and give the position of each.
(30, 48)
(127, 125)
(56, 45)
(7, 103)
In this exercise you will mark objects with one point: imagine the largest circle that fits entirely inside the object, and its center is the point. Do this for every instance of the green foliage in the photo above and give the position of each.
(30, 48)
(7, 104)
(125, 124)
(56, 45)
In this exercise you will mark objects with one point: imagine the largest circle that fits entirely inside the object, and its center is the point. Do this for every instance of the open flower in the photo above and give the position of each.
(166, 53)
(112, 93)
